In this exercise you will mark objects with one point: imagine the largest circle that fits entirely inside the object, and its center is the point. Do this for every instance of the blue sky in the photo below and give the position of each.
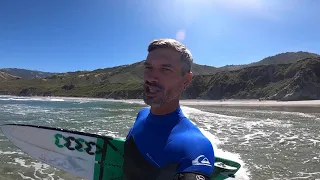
(60, 35)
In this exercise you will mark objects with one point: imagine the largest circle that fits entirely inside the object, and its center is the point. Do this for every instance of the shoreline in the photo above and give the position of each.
(197, 102)
(252, 103)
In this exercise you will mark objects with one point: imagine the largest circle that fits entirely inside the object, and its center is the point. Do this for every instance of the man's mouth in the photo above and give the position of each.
(151, 90)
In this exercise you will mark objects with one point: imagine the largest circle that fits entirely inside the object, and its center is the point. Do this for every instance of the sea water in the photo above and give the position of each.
(270, 143)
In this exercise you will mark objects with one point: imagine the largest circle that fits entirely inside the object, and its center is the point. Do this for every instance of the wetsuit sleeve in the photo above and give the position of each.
(198, 162)
(131, 129)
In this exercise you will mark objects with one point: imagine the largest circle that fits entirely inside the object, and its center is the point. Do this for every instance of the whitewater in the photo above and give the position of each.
(270, 143)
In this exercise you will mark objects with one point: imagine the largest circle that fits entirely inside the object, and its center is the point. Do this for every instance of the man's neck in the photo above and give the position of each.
(165, 108)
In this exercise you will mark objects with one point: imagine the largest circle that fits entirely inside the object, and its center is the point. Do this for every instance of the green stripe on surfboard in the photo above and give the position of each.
(98, 158)
(109, 163)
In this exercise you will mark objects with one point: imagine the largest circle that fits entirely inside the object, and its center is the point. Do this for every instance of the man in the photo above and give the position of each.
(163, 144)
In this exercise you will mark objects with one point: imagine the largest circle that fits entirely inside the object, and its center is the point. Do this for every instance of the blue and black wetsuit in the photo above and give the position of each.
(164, 147)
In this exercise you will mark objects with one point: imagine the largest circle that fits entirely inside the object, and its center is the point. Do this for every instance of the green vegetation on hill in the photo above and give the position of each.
(116, 82)
(6, 77)
(285, 58)
(26, 74)
(297, 80)
(282, 58)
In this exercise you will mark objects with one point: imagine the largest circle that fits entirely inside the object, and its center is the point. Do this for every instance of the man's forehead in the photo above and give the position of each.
(163, 56)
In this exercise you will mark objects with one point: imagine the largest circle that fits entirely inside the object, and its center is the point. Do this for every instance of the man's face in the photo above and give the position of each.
(163, 77)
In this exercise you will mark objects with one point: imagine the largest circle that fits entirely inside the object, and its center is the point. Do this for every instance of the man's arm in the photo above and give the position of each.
(199, 161)
(143, 110)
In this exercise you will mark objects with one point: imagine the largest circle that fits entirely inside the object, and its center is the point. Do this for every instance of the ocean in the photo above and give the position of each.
(270, 143)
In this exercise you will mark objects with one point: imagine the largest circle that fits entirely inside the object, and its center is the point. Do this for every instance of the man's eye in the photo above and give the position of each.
(166, 69)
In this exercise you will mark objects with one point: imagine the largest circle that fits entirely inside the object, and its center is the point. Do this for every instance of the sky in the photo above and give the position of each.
(63, 36)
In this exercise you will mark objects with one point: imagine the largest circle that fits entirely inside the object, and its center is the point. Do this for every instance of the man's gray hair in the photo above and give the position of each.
(185, 54)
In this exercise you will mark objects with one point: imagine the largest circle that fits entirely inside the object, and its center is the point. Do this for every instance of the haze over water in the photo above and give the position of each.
(271, 143)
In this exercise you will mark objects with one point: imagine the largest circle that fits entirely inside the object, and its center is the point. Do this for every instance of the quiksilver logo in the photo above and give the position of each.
(200, 177)
(201, 160)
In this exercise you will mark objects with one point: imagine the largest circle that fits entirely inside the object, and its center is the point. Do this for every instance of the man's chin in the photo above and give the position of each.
(152, 102)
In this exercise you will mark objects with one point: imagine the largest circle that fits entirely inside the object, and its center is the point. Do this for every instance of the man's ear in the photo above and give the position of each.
(188, 79)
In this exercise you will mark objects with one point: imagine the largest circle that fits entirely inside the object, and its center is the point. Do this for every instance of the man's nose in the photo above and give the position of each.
(152, 76)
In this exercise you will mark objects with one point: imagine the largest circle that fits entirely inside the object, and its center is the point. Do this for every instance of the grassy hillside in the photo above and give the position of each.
(135, 69)
(198, 69)
(26, 74)
(122, 71)
(293, 81)
(116, 82)
(4, 77)
(281, 77)
(285, 58)
(282, 58)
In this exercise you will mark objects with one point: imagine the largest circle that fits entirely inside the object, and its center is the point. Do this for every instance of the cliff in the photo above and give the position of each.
(293, 81)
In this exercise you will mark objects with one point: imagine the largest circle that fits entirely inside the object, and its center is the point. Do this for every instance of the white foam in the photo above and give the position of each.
(282, 112)
(107, 133)
(114, 110)
(58, 100)
(24, 177)
(17, 98)
(21, 162)
(10, 152)
(315, 141)
(306, 175)
(287, 139)
(4, 99)
(38, 166)
(266, 122)
(252, 136)
(242, 173)
(131, 101)
(188, 110)
(26, 99)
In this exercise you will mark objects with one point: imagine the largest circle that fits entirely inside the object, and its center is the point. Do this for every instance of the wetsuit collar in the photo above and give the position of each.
(167, 119)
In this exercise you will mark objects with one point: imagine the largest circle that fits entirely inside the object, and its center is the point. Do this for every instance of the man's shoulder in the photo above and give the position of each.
(189, 137)
(192, 135)
(144, 111)
(190, 131)
(196, 149)
(141, 116)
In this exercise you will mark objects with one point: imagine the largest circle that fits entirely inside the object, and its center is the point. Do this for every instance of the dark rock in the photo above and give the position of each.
(68, 87)
(28, 92)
